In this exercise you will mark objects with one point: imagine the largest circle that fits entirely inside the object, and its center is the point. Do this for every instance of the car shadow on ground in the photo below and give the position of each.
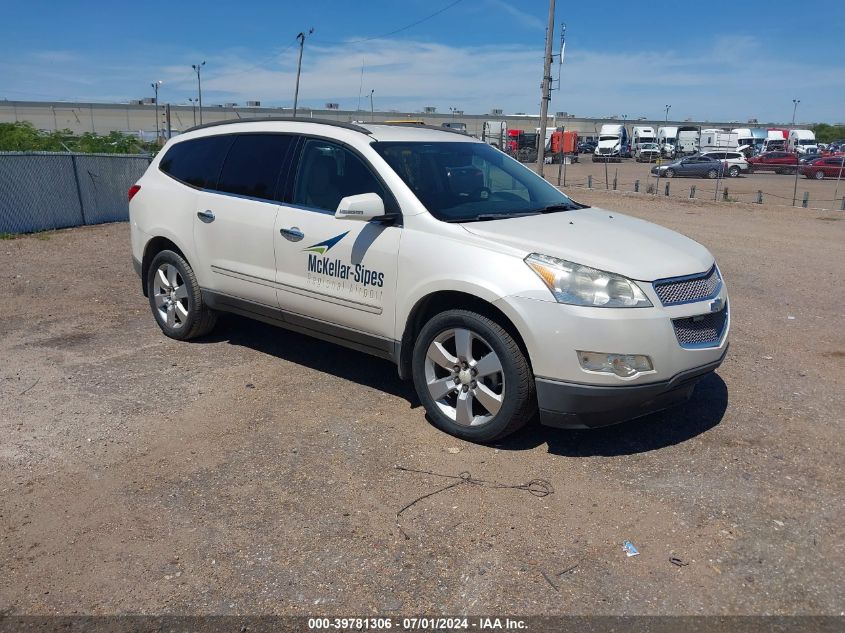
(310, 352)
(702, 412)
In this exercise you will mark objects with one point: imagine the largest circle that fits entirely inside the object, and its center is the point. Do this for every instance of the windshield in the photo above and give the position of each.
(461, 182)
(609, 138)
(648, 146)
(806, 141)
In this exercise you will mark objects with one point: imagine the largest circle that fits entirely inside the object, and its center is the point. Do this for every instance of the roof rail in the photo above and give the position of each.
(289, 119)
(422, 126)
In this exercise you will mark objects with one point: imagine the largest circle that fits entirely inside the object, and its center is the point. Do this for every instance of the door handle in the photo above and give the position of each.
(205, 216)
(293, 234)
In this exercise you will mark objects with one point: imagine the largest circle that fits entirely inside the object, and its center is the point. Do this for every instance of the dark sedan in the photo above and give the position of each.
(694, 166)
(586, 147)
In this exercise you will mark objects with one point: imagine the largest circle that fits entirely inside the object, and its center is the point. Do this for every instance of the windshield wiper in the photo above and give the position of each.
(481, 217)
(559, 206)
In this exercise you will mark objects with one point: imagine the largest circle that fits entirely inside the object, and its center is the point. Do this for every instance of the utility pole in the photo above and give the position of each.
(301, 38)
(155, 86)
(198, 68)
(372, 110)
(795, 103)
(546, 96)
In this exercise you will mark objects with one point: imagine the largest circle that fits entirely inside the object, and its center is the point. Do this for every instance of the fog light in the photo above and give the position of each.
(623, 365)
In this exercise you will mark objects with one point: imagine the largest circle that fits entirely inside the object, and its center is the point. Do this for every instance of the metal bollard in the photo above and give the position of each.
(759, 196)
(589, 182)
(806, 200)
(667, 188)
(725, 194)
(637, 190)
(843, 203)
(692, 192)
(614, 183)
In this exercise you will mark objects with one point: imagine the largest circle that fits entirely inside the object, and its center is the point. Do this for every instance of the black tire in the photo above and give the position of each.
(670, 173)
(734, 171)
(712, 174)
(819, 175)
(778, 171)
(200, 319)
(519, 404)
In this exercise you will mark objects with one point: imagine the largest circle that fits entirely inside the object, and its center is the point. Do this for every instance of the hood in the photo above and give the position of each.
(602, 239)
(612, 143)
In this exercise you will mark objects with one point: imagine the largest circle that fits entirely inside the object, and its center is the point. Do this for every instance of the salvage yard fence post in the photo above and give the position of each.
(759, 196)
(725, 194)
(692, 192)
(806, 199)
(667, 188)
(589, 182)
(637, 190)
(843, 204)
(52, 190)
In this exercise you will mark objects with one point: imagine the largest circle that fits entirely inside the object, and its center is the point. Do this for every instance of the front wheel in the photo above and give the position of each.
(670, 173)
(175, 298)
(734, 171)
(819, 175)
(472, 377)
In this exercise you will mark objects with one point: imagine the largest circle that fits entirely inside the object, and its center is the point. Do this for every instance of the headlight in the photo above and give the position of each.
(584, 286)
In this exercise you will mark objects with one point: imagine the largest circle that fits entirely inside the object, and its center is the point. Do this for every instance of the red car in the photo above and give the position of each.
(778, 162)
(830, 167)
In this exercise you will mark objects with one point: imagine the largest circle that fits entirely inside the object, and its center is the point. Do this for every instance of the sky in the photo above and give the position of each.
(745, 60)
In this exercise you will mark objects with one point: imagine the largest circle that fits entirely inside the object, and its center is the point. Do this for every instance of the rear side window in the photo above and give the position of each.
(197, 162)
(253, 165)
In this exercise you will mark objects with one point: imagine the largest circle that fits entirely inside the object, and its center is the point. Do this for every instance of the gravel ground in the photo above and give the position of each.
(254, 471)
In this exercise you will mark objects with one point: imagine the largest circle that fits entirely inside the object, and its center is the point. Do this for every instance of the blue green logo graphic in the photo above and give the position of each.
(323, 247)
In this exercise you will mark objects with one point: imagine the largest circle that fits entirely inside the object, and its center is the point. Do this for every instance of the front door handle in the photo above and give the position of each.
(205, 216)
(293, 234)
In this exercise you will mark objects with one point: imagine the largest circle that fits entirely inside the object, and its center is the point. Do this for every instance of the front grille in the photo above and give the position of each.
(688, 289)
(704, 330)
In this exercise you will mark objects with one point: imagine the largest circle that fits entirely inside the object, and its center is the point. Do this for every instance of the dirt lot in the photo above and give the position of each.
(777, 188)
(254, 472)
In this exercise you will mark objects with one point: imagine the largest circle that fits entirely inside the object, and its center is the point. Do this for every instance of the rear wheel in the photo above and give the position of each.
(734, 171)
(712, 174)
(472, 377)
(175, 298)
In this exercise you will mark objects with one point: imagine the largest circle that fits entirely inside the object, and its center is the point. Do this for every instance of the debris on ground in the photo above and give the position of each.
(629, 549)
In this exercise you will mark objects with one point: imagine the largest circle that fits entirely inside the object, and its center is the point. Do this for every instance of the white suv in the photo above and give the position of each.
(735, 162)
(497, 294)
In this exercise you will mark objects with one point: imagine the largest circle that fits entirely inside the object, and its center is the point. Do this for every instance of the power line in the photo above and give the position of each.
(399, 30)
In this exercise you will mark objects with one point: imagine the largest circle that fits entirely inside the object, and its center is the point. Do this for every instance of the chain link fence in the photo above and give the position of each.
(43, 190)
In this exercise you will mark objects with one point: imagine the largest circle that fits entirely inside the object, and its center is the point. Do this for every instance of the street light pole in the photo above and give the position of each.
(795, 103)
(198, 68)
(666, 120)
(372, 110)
(301, 38)
(155, 86)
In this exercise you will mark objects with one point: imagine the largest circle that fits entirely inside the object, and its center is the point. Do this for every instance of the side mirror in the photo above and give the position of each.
(364, 206)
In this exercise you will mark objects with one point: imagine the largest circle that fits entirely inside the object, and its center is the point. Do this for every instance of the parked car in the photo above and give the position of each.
(694, 166)
(455, 126)
(328, 229)
(830, 167)
(647, 152)
(806, 159)
(586, 147)
(735, 161)
(778, 162)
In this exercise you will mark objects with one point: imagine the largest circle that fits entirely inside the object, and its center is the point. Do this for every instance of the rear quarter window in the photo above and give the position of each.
(197, 162)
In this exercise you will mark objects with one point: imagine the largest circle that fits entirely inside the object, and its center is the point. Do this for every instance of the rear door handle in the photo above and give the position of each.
(293, 234)
(205, 216)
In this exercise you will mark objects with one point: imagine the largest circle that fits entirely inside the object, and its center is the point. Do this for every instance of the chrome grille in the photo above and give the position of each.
(704, 330)
(688, 289)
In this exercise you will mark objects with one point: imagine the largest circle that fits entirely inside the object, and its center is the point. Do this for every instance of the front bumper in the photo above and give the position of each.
(576, 406)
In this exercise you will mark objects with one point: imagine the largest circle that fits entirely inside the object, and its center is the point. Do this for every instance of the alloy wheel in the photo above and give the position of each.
(464, 377)
(171, 296)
